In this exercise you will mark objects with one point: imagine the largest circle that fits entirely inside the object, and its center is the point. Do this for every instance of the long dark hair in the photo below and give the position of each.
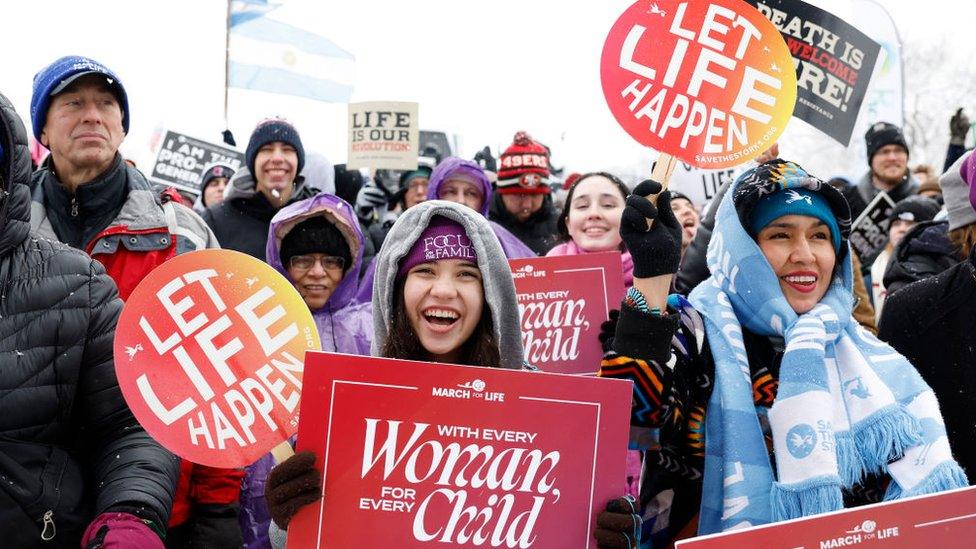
(481, 348)
(561, 224)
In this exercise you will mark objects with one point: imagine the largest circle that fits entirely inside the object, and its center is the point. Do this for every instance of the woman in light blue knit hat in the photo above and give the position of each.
(760, 399)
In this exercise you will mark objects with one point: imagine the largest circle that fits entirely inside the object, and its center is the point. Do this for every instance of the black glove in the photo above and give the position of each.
(619, 525)
(484, 159)
(655, 251)
(608, 329)
(293, 484)
(958, 128)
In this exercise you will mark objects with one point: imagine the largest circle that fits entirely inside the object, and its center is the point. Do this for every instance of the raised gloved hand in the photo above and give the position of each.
(656, 250)
(293, 484)
(619, 525)
(120, 531)
(958, 127)
(608, 329)
(369, 199)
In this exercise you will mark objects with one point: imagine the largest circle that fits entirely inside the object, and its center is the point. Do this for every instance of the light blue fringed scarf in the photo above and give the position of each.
(847, 404)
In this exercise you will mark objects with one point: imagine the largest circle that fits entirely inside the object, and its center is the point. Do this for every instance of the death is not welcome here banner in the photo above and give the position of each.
(834, 62)
(415, 454)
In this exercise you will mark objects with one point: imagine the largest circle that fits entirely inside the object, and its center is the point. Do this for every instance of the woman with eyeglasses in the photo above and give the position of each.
(318, 245)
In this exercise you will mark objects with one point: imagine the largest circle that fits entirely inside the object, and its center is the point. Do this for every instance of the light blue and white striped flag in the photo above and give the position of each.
(272, 56)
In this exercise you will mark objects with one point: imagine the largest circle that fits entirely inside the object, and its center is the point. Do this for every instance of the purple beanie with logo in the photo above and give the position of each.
(968, 173)
(443, 239)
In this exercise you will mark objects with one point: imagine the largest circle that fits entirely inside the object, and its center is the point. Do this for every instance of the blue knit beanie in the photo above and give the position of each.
(54, 78)
(269, 131)
(794, 202)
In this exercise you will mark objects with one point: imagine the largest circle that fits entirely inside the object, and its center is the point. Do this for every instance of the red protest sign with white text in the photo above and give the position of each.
(709, 82)
(208, 353)
(415, 454)
(562, 302)
(946, 520)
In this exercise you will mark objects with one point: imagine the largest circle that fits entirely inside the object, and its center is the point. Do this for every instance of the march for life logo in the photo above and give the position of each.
(562, 302)
(209, 356)
(439, 454)
(468, 390)
(711, 83)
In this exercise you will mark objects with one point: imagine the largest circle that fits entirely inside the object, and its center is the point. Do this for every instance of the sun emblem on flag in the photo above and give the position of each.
(289, 58)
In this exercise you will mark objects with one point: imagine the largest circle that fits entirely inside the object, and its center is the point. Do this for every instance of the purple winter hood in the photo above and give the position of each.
(340, 214)
(453, 165)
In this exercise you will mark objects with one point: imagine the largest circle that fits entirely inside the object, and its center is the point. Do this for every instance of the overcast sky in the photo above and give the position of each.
(482, 70)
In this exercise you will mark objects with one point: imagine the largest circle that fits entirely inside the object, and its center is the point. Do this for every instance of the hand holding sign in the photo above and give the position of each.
(209, 351)
(651, 232)
(709, 82)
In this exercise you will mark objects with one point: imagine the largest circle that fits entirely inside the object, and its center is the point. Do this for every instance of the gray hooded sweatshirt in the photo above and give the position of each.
(499, 287)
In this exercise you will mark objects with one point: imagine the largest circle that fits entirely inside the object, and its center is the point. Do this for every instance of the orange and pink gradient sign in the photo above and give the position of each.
(711, 83)
(209, 353)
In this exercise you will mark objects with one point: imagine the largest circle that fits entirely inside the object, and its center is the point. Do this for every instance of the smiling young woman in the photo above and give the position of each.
(443, 292)
(804, 410)
(590, 221)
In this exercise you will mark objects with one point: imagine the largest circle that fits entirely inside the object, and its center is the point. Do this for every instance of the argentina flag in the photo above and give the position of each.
(271, 56)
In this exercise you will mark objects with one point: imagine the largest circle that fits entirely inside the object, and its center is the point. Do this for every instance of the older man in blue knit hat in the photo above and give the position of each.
(84, 193)
(86, 196)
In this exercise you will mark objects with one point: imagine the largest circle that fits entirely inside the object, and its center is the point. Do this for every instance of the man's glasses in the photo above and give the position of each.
(306, 262)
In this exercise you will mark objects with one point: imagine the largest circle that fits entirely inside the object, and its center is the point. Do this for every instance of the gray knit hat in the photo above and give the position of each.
(955, 193)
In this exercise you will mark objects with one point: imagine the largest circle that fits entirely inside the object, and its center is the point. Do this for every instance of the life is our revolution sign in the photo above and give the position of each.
(209, 354)
(709, 82)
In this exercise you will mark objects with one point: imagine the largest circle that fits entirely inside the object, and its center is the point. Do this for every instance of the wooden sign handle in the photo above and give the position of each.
(662, 174)
(282, 452)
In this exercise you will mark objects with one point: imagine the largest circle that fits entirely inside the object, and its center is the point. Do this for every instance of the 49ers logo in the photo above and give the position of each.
(530, 180)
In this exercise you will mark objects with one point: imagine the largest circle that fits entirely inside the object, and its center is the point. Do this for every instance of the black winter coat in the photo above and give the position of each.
(932, 323)
(69, 445)
(539, 232)
(694, 267)
(242, 220)
(925, 251)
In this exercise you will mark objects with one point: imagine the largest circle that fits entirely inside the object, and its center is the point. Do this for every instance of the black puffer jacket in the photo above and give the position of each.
(539, 232)
(242, 220)
(69, 445)
(924, 252)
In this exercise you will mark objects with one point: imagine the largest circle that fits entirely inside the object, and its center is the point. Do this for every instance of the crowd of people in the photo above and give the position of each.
(743, 326)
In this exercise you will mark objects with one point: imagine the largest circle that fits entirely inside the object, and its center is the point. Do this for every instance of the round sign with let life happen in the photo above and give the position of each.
(209, 354)
(711, 83)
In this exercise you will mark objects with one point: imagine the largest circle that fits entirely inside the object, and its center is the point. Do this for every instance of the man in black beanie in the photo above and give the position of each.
(274, 158)
(887, 153)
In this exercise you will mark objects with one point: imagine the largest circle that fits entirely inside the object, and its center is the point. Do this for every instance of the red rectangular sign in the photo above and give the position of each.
(946, 520)
(562, 302)
(415, 454)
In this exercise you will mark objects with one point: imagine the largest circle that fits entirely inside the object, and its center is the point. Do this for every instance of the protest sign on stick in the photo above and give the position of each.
(181, 160)
(562, 302)
(833, 62)
(209, 354)
(708, 82)
(416, 454)
(383, 135)
(945, 520)
(869, 233)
